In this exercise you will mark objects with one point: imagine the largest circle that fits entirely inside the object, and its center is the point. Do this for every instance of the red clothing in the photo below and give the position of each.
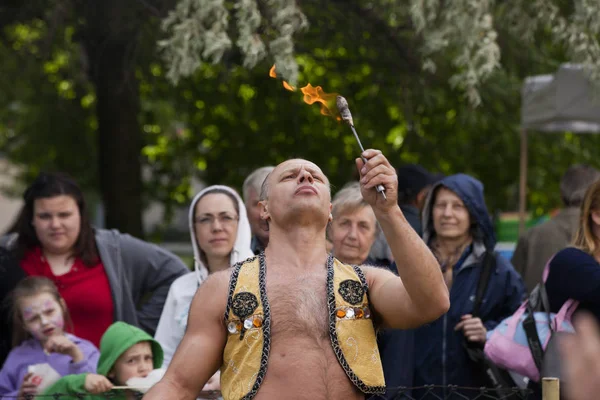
(86, 291)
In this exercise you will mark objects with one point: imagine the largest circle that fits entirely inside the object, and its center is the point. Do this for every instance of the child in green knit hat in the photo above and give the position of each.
(125, 352)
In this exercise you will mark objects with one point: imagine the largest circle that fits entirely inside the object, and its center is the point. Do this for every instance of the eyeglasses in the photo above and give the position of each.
(224, 220)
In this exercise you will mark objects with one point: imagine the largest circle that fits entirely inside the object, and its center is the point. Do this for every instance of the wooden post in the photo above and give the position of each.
(523, 183)
(550, 389)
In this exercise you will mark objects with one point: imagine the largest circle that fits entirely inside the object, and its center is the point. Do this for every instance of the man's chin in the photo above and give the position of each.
(306, 209)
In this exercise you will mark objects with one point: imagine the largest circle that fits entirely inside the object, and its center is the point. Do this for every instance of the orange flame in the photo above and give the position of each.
(287, 86)
(314, 94)
(318, 95)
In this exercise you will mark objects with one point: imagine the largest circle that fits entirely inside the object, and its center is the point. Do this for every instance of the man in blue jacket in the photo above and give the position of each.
(458, 229)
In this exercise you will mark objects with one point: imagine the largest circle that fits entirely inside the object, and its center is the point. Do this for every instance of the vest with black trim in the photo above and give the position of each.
(248, 320)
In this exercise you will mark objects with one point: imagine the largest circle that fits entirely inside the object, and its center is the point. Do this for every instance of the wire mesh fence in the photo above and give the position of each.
(452, 392)
(429, 392)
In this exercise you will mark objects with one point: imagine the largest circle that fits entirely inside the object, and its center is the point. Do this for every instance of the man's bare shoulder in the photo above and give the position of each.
(375, 274)
(375, 269)
(212, 293)
(218, 279)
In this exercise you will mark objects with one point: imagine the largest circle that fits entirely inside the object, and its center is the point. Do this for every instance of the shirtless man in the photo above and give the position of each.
(301, 363)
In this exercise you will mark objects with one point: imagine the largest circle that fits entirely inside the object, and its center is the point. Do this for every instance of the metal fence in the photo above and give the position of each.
(452, 392)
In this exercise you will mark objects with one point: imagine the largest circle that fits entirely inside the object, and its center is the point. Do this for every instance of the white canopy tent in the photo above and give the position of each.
(561, 102)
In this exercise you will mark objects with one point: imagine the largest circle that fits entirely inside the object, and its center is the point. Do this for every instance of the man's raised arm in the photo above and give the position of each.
(200, 353)
(420, 295)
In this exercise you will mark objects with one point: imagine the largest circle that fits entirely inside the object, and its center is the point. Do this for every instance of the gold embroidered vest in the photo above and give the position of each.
(248, 322)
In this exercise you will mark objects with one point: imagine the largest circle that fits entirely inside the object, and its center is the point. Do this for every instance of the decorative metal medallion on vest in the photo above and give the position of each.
(248, 320)
(351, 291)
(244, 304)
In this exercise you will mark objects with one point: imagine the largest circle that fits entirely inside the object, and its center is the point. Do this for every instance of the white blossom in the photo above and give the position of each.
(462, 31)
(465, 28)
(198, 31)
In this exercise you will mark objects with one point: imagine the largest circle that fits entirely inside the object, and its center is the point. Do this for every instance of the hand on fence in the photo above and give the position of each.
(28, 388)
(472, 328)
(95, 384)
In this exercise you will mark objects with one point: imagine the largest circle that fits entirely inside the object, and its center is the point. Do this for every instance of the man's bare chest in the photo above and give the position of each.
(299, 305)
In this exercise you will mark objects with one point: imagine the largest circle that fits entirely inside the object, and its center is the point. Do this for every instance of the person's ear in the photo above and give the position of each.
(264, 210)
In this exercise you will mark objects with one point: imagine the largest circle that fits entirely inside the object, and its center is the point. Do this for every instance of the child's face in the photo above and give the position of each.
(42, 316)
(136, 362)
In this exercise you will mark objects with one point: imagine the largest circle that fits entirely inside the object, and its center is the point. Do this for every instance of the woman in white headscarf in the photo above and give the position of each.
(220, 234)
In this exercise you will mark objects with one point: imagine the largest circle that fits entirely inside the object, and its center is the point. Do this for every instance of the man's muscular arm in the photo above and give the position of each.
(420, 294)
(200, 353)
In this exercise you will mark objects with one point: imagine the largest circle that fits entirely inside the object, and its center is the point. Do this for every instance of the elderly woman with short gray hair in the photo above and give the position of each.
(354, 226)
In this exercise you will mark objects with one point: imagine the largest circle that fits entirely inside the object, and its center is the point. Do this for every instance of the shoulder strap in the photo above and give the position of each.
(538, 302)
(489, 263)
(530, 328)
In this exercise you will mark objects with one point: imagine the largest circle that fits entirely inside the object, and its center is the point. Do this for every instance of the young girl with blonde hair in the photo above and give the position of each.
(40, 317)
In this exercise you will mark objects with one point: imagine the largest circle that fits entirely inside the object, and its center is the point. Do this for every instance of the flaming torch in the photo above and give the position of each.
(318, 95)
(346, 115)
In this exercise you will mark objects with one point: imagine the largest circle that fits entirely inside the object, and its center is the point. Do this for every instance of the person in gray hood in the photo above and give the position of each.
(103, 275)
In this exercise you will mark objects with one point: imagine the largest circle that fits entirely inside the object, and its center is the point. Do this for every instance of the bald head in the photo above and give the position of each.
(295, 195)
(291, 166)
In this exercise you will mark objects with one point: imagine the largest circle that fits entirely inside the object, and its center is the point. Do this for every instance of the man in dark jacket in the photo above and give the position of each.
(541, 242)
(458, 229)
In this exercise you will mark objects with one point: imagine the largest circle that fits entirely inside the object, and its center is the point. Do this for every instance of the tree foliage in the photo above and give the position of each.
(46, 107)
(463, 32)
(408, 94)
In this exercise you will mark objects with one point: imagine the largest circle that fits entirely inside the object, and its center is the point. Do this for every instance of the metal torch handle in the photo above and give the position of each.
(379, 188)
